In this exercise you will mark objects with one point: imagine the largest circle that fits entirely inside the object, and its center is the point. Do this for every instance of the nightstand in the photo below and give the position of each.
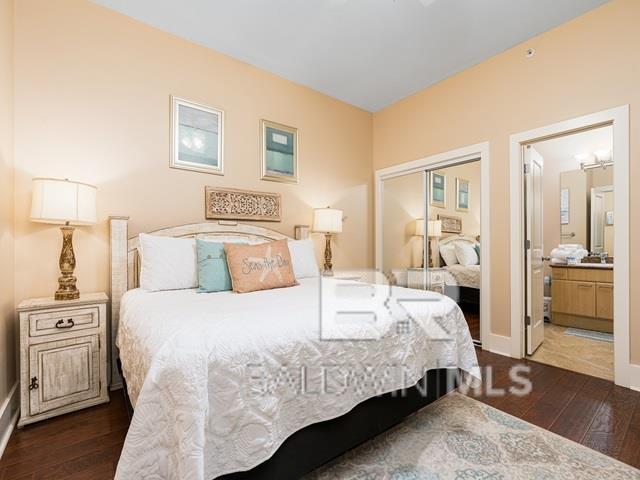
(63, 355)
(426, 279)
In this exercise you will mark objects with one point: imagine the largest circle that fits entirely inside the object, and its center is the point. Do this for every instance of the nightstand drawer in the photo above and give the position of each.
(57, 321)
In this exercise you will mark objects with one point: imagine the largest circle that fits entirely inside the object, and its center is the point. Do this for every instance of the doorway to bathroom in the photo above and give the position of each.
(569, 232)
(569, 193)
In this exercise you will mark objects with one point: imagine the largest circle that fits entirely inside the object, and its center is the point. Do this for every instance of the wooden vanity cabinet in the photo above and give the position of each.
(582, 297)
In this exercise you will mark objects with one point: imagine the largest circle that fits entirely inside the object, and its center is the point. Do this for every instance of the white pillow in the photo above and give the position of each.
(168, 263)
(303, 257)
(448, 253)
(466, 254)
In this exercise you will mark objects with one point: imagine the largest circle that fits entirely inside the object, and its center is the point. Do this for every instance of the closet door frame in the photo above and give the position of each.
(478, 152)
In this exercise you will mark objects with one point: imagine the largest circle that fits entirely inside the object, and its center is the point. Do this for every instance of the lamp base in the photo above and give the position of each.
(67, 292)
(328, 266)
(67, 282)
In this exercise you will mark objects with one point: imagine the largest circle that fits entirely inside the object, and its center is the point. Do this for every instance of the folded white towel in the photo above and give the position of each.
(559, 255)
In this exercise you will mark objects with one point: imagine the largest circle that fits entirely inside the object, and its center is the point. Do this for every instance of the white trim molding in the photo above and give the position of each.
(619, 119)
(499, 344)
(9, 416)
(634, 375)
(473, 152)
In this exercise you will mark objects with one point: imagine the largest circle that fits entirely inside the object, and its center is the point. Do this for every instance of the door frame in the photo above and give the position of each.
(603, 189)
(480, 152)
(618, 117)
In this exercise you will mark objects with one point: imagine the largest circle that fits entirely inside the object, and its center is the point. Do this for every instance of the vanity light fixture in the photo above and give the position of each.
(604, 155)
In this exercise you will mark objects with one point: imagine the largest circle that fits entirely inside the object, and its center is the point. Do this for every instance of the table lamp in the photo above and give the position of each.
(64, 202)
(327, 221)
(419, 232)
(434, 230)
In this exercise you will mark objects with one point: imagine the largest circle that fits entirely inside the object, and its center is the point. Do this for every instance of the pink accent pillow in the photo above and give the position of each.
(260, 267)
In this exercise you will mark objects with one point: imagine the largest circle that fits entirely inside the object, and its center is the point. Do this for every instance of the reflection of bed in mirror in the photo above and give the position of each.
(461, 282)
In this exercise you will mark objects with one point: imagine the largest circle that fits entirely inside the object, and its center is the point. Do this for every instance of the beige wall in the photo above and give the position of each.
(402, 205)
(586, 65)
(92, 104)
(7, 321)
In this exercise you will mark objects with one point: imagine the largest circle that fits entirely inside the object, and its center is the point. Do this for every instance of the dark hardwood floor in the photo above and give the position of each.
(472, 316)
(588, 410)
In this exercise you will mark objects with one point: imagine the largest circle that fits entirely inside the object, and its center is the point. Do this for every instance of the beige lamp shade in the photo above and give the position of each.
(60, 201)
(419, 230)
(435, 228)
(327, 220)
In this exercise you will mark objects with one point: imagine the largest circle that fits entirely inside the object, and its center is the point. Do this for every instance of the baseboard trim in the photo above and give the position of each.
(499, 344)
(9, 416)
(634, 377)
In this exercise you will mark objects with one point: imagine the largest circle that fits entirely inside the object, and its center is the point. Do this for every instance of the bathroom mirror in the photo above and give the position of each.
(586, 209)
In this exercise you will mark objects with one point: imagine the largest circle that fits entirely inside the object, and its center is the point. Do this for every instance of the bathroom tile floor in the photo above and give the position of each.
(583, 355)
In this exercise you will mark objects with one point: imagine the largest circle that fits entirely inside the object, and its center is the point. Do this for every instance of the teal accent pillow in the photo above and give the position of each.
(477, 247)
(213, 272)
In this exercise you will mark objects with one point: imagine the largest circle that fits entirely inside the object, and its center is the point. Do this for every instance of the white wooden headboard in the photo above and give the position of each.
(458, 238)
(125, 264)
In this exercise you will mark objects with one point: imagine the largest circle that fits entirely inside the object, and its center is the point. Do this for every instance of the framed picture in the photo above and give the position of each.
(196, 137)
(462, 195)
(450, 224)
(279, 145)
(438, 190)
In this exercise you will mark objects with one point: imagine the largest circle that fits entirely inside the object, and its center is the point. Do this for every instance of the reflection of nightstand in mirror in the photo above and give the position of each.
(427, 279)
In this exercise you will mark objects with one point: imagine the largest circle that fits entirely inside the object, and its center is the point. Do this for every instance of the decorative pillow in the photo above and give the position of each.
(448, 254)
(213, 273)
(466, 254)
(303, 257)
(260, 267)
(167, 263)
(477, 247)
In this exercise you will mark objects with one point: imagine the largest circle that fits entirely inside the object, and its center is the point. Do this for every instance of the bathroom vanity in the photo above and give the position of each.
(582, 296)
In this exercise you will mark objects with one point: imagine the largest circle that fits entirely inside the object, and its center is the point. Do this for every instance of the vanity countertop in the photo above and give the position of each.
(587, 265)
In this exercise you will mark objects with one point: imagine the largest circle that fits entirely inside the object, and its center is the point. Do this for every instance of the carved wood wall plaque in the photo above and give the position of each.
(450, 224)
(233, 204)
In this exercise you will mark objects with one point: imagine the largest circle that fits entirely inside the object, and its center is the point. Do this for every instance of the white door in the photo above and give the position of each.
(534, 249)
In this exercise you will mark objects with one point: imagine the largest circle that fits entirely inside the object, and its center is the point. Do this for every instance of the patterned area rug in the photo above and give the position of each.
(459, 438)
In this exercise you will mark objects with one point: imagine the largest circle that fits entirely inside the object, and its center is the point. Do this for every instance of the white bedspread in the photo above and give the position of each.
(462, 276)
(220, 380)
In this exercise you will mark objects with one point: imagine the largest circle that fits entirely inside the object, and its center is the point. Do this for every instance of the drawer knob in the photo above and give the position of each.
(62, 324)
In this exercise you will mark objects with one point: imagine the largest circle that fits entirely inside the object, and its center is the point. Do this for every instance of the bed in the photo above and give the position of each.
(233, 386)
(462, 282)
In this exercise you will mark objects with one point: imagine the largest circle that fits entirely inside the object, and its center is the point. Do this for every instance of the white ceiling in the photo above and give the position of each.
(369, 53)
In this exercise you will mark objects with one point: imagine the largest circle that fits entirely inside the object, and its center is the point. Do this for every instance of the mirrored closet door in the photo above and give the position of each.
(431, 234)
